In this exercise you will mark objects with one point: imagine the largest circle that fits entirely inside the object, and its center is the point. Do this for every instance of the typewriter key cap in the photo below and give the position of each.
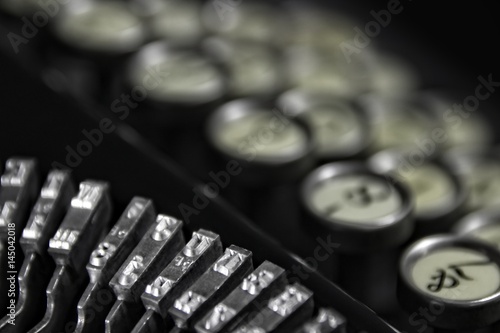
(455, 278)
(105, 261)
(177, 22)
(252, 21)
(70, 247)
(179, 85)
(270, 147)
(107, 27)
(483, 224)
(321, 70)
(37, 269)
(472, 131)
(402, 122)
(327, 321)
(480, 171)
(440, 196)
(315, 26)
(391, 76)
(196, 257)
(254, 69)
(218, 281)
(157, 248)
(363, 210)
(368, 215)
(265, 282)
(283, 313)
(340, 127)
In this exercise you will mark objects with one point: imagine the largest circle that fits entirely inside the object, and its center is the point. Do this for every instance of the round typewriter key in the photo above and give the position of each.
(480, 171)
(471, 131)
(322, 70)
(173, 85)
(315, 26)
(92, 40)
(183, 77)
(391, 75)
(253, 21)
(401, 123)
(455, 278)
(268, 146)
(178, 22)
(253, 68)
(483, 224)
(368, 215)
(364, 210)
(107, 27)
(340, 127)
(439, 195)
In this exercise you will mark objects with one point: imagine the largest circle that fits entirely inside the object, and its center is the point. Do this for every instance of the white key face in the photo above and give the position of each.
(263, 135)
(178, 21)
(433, 188)
(336, 129)
(321, 75)
(393, 77)
(484, 185)
(490, 233)
(253, 71)
(399, 129)
(102, 27)
(456, 274)
(247, 23)
(357, 199)
(184, 78)
(471, 132)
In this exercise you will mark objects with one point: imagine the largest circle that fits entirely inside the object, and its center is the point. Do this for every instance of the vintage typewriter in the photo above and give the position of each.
(238, 166)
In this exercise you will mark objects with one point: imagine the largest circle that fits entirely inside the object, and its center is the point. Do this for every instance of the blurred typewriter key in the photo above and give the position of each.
(439, 195)
(283, 313)
(105, 261)
(174, 85)
(178, 22)
(368, 215)
(390, 75)
(102, 27)
(247, 21)
(38, 267)
(92, 39)
(483, 224)
(71, 246)
(456, 279)
(317, 26)
(196, 257)
(255, 291)
(403, 122)
(258, 138)
(253, 68)
(327, 321)
(321, 70)
(19, 184)
(218, 281)
(157, 248)
(339, 126)
(473, 131)
(480, 171)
